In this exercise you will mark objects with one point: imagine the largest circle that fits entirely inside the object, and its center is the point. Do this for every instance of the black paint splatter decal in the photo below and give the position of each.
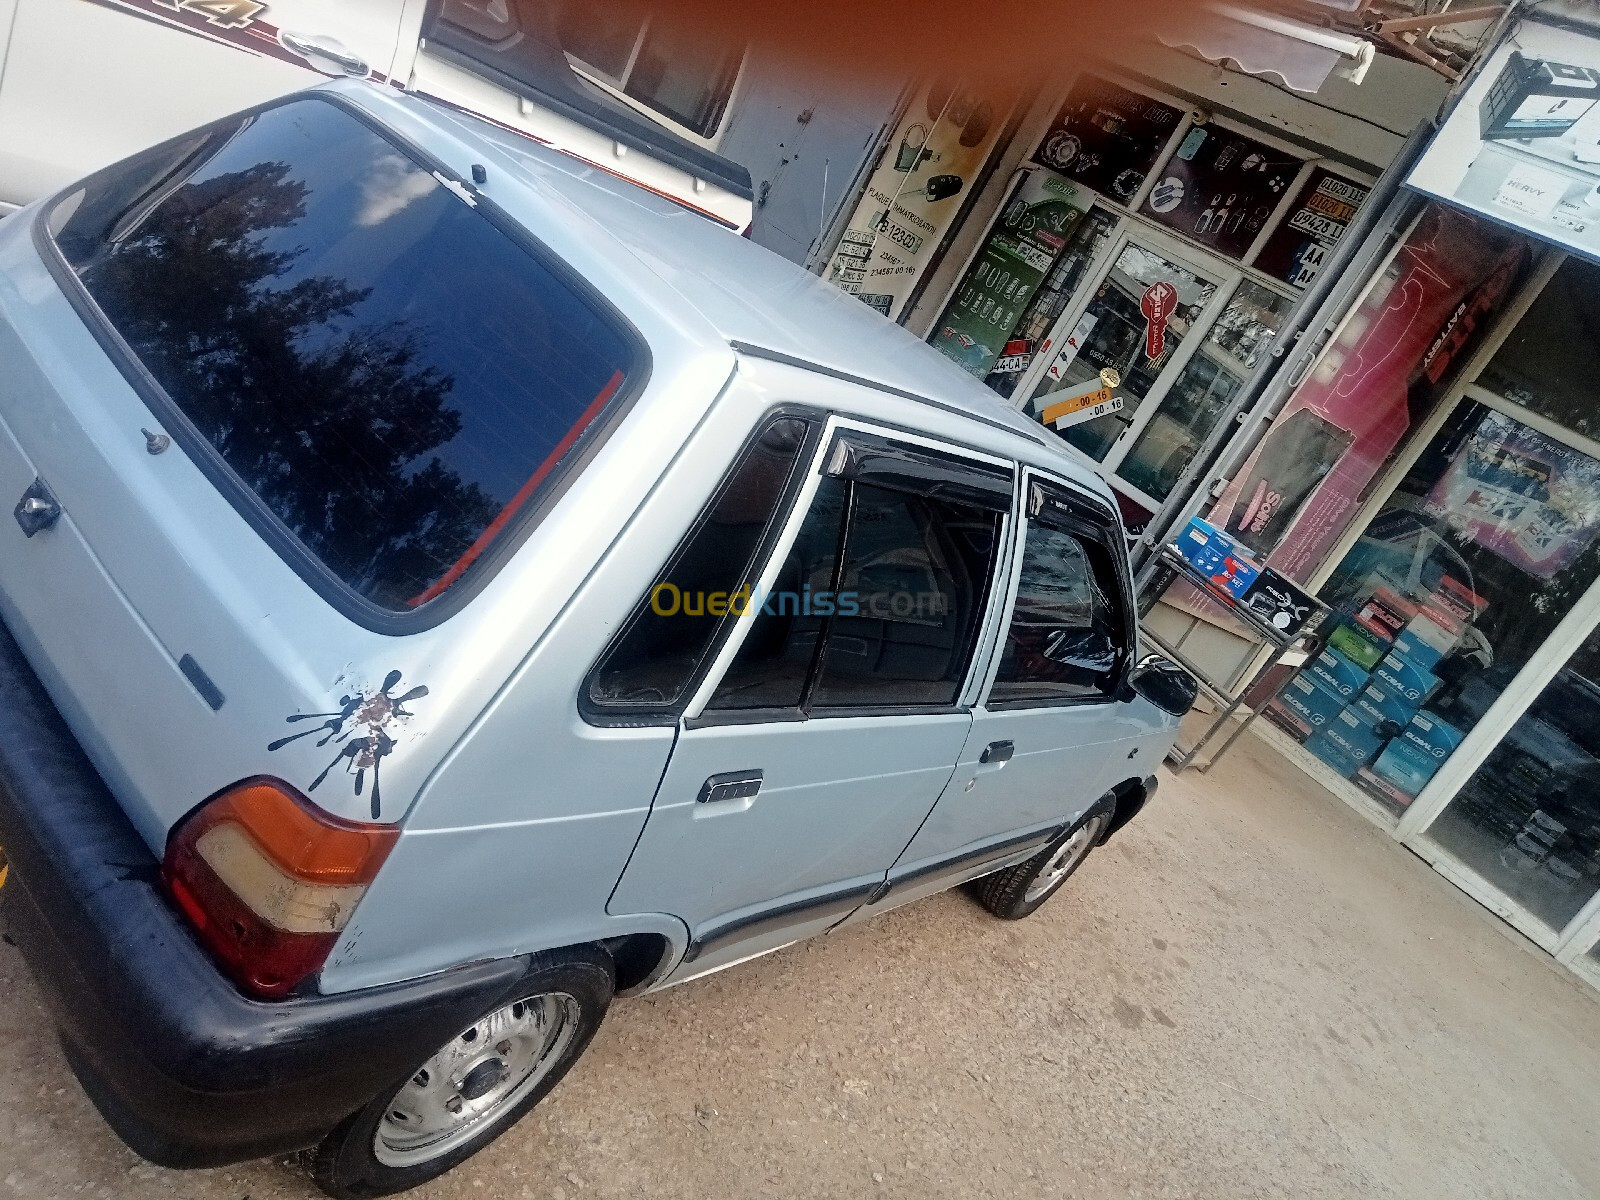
(361, 731)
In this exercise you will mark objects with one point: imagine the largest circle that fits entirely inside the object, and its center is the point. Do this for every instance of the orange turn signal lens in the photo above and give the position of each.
(307, 843)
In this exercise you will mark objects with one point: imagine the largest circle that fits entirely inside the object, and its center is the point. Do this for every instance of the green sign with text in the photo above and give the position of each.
(1008, 269)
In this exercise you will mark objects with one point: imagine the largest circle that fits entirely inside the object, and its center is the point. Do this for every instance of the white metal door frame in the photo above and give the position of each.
(1223, 276)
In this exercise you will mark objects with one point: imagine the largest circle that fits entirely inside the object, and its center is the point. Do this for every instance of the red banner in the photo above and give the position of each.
(1372, 385)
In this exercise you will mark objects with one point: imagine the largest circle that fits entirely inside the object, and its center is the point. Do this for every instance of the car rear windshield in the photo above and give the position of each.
(390, 373)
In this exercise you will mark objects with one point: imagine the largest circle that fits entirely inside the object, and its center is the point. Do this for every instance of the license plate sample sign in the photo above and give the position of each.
(1093, 399)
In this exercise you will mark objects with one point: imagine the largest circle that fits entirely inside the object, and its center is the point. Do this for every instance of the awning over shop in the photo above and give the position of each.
(1302, 55)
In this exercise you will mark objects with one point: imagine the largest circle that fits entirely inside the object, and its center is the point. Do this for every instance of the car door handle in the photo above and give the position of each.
(326, 54)
(997, 753)
(732, 785)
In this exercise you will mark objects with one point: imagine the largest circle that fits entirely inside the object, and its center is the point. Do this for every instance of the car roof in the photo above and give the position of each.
(750, 298)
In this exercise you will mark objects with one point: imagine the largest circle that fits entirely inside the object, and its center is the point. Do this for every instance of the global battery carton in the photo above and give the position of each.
(1369, 712)
(1347, 742)
(1404, 769)
(1368, 780)
(1359, 645)
(1405, 679)
(1431, 736)
(1307, 705)
(1384, 700)
(1339, 673)
(1425, 640)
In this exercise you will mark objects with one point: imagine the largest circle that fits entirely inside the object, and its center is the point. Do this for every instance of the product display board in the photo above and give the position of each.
(1107, 137)
(1523, 144)
(1533, 501)
(1220, 188)
(1301, 246)
(914, 195)
(1068, 270)
(1025, 241)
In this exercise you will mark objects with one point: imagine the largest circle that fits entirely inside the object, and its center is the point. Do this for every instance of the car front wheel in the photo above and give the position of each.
(1018, 891)
(473, 1088)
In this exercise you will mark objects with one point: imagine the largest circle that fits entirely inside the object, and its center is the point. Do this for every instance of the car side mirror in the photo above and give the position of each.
(1165, 684)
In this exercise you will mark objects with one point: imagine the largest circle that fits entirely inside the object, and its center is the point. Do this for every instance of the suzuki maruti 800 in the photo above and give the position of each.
(449, 586)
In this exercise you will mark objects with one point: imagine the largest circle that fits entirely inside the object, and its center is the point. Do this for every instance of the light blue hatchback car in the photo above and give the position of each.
(450, 586)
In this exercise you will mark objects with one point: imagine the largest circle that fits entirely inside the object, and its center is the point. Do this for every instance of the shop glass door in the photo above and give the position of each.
(1143, 320)
(1525, 824)
(1152, 452)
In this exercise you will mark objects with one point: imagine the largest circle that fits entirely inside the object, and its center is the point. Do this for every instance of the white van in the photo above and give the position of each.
(84, 83)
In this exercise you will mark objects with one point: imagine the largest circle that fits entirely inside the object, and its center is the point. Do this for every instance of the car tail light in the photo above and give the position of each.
(269, 880)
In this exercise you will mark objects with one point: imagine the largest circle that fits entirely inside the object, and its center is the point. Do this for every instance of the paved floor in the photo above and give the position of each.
(1250, 993)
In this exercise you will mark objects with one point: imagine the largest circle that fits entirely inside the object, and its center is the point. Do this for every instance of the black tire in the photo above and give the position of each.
(1006, 893)
(348, 1165)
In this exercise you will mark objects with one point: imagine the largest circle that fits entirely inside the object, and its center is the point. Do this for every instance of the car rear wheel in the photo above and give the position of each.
(473, 1088)
(1018, 891)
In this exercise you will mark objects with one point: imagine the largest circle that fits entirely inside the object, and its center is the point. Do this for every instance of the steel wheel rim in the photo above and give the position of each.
(481, 1073)
(1067, 856)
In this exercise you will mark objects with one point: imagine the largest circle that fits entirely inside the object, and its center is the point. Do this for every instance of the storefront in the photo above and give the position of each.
(1427, 461)
(1134, 233)
(1458, 699)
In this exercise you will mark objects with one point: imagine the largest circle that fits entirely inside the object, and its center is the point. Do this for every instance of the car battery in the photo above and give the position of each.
(1311, 704)
(1338, 673)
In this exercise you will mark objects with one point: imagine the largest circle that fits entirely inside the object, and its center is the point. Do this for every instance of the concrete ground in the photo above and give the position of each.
(1249, 993)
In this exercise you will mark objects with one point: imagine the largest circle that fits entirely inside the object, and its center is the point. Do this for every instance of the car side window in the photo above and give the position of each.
(774, 663)
(1065, 640)
(877, 605)
(708, 579)
(917, 569)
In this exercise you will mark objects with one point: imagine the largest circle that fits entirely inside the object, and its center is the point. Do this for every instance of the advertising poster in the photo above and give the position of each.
(1106, 137)
(1372, 384)
(1295, 457)
(1523, 144)
(915, 193)
(1219, 187)
(1532, 501)
(1010, 266)
(1301, 246)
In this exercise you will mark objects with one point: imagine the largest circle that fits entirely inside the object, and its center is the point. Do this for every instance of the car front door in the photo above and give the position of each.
(1050, 736)
(832, 718)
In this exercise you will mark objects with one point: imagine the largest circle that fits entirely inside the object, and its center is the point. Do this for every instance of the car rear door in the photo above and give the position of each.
(88, 82)
(1050, 735)
(832, 719)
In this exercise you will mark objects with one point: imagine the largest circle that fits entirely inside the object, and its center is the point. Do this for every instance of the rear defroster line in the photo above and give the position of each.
(492, 530)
